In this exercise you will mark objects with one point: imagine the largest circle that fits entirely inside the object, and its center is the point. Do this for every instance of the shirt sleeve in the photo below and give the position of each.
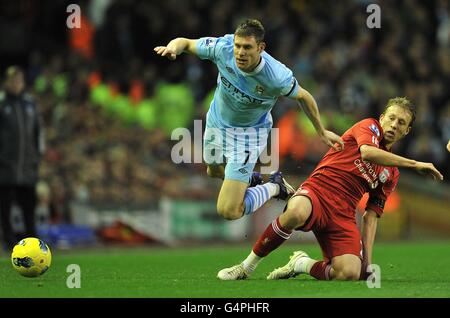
(379, 195)
(209, 48)
(289, 85)
(367, 132)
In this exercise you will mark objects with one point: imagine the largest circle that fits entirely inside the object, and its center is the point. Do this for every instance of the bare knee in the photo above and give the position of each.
(230, 203)
(346, 273)
(214, 172)
(230, 212)
(210, 172)
(296, 214)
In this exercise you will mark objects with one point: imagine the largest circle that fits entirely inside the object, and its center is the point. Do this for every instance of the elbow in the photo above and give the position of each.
(366, 153)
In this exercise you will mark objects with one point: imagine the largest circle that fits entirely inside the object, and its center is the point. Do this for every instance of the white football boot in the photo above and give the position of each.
(233, 273)
(288, 270)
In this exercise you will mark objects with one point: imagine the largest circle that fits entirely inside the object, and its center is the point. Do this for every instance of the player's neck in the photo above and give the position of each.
(389, 146)
(251, 69)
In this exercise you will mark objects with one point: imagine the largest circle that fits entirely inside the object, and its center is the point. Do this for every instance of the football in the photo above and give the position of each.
(31, 257)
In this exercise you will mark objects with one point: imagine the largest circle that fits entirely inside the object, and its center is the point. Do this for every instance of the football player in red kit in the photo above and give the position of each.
(326, 202)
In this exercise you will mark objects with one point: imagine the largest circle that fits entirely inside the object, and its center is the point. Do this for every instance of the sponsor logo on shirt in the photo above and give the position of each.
(367, 172)
(237, 93)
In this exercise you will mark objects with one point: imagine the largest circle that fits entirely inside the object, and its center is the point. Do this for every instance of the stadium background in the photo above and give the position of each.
(109, 105)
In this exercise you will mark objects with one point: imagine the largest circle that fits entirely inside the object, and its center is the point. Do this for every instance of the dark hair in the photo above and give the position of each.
(404, 103)
(251, 27)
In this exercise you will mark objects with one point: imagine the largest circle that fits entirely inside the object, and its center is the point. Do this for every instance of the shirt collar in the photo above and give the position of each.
(255, 71)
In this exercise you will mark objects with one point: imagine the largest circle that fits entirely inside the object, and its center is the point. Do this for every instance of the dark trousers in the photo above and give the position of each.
(25, 197)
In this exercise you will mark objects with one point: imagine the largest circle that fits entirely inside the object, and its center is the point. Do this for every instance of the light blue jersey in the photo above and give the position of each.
(242, 100)
(245, 99)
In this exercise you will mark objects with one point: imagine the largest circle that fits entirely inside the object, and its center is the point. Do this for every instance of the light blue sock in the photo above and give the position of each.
(255, 197)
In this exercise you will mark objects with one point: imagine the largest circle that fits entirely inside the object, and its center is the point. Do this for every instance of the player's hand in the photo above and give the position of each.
(166, 51)
(429, 169)
(448, 146)
(364, 270)
(332, 140)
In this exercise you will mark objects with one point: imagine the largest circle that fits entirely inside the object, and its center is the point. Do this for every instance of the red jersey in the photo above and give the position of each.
(346, 175)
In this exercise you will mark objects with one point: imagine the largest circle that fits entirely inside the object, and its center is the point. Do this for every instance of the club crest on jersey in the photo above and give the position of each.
(384, 175)
(259, 89)
(375, 129)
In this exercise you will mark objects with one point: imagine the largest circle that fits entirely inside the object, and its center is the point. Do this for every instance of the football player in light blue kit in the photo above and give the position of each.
(239, 120)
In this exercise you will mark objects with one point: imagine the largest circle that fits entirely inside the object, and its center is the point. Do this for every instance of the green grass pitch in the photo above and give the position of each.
(407, 270)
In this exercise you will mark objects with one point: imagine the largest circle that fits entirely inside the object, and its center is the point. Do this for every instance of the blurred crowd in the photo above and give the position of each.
(350, 69)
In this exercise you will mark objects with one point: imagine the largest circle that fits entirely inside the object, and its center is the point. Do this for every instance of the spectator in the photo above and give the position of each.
(350, 68)
(20, 151)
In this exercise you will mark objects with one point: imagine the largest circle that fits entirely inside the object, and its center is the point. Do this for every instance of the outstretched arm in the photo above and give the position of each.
(309, 106)
(176, 47)
(385, 158)
(368, 231)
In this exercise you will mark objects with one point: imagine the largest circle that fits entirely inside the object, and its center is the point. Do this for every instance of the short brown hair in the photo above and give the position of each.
(404, 103)
(251, 27)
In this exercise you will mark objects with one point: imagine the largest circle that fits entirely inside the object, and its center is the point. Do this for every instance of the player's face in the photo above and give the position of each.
(15, 84)
(247, 52)
(395, 123)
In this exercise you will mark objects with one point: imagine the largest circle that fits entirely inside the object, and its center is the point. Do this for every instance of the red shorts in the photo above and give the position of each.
(332, 221)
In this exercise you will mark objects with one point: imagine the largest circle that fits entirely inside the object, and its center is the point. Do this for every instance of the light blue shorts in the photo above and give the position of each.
(237, 147)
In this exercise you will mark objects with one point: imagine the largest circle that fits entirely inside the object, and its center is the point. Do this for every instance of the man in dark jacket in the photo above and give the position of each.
(20, 152)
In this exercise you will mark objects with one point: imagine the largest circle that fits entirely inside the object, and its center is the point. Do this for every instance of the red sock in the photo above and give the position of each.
(273, 236)
(321, 271)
